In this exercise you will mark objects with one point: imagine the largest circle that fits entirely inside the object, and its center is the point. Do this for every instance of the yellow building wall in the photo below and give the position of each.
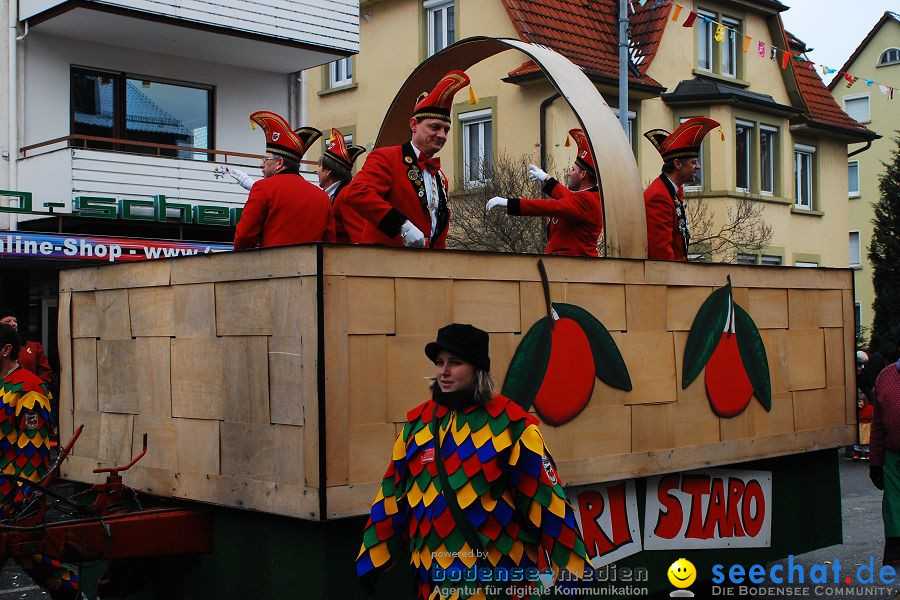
(885, 120)
(392, 44)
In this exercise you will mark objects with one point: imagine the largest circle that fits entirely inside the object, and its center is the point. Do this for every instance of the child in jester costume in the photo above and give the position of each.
(506, 506)
(25, 452)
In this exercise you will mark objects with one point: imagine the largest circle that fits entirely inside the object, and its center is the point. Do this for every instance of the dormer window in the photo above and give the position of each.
(891, 56)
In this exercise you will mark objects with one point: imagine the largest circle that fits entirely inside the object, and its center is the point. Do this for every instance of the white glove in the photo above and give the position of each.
(412, 236)
(495, 201)
(242, 178)
(536, 173)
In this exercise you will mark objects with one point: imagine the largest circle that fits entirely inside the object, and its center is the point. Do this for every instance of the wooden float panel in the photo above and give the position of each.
(221, 367)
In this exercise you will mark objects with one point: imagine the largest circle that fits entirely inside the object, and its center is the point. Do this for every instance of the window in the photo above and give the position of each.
(803, 176)
(631, 118)
(123, 107)
(891, 56)
(441, 19)
(857, 107)
(746, 259)
(768, 137)
(770, 260)
(853, 178)
(743, 136)
(340, 72)
(705, 28)
(478, 146)
(697, 184)
(729, 46)
(854, 249)
(801, 263)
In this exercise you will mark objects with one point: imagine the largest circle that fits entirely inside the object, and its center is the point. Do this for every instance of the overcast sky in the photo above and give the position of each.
(834, 28)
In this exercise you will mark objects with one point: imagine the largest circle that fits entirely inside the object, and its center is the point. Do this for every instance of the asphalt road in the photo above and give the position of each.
(863, 538)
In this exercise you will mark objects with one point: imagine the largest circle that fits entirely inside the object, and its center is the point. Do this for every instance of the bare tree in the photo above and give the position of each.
(472, 229)
(745, 230)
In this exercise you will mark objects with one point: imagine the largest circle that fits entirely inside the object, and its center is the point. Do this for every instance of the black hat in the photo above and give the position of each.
(463, 340)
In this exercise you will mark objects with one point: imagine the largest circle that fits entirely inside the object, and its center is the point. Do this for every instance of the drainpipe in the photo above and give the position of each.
(623, 64)
(543, 124)
(302, 99)
(13, 94)
(863, 149)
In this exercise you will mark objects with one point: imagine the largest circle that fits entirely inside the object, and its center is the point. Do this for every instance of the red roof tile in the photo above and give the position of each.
(586, 32)
(821, 107)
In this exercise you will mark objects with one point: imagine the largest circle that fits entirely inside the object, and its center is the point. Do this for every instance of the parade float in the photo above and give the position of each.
(692, 409)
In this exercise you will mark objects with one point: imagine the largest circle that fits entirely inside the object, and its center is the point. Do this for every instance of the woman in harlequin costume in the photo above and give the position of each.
(487, 494)
(25, 452)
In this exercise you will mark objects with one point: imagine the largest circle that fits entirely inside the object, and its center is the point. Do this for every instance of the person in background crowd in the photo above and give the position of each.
(335, 172)
(668, 232)
(470, 482)
(31, 354)
(576, 210)
(283, 208)
(401, 190)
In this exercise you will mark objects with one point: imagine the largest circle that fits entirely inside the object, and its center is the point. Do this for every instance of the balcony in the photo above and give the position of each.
(283, 36)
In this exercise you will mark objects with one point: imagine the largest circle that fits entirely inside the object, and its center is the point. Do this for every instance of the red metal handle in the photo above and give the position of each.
(129, 465)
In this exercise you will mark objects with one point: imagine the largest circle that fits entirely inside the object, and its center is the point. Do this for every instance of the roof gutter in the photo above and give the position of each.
(863, 149)
(652, 90)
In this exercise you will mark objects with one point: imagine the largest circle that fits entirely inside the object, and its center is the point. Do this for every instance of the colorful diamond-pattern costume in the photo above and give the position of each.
(504, 481)
(25, 423)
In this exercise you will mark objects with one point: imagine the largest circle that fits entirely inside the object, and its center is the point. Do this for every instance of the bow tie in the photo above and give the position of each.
(432, 165)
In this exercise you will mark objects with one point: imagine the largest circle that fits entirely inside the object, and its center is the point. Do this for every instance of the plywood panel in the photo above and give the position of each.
(490, 305)
(675, 425)
(675, 273)
(818, 409)
(756, 422)
(161, 443)
(268, 263)
(78, 468)
(147, 273)
(558, 442)
(368, 379)
(84, 375)
(696, 391)
(834, 357)
(113, 315)
(741, 295)
(285, 380)
(407, 379)
(197, 445)
(337, 381)
(806, 359)
(600, 430)
(88, 443)
(244, 307)
(370, 305)
(246, 379)
(198, 388)
(682, 304)
(606, 302)
(115, 438)
(650, 358)
(116, 380)
(288, 466)
(85, 319)
(502, 348)
(64, 343)
(160, 482)
(533, 307)
(849, 355)
(289, 305)
(775, 342)
(370, 466)
(152, 311)
(264, 496)
(195, 311)
(814, 308)
(768, 308)
(154, 376)
(422, 305)
(248, 450)
(310, 381)
(644, 307)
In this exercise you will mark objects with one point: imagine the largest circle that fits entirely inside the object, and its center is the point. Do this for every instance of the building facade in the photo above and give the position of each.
(783, 142)
(877, 59)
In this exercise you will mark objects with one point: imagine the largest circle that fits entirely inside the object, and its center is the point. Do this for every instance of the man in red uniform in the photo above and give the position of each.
(401, 190)
(335, 172)
(31, 354)
(668, 233)
(283, 208)
(575, 209)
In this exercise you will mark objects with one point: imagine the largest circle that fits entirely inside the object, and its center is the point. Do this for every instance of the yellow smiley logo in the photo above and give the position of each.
(682, 573)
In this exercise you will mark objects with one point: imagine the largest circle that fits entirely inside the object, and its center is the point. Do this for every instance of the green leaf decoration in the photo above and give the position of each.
(706, 330)
(529, 365)
(753, 355)
(608, 362)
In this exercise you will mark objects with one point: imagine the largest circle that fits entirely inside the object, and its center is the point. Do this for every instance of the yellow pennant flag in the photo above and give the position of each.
(747, 41)
(676, 12)
(567, 144)
(473, 99)
(720, 32)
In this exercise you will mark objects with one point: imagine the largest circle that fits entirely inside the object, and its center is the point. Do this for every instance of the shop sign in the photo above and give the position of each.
(607, 514)
(708, 509)
(22, 244)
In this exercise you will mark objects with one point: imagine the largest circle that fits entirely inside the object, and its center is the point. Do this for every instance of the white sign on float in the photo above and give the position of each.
(706, 509)
(607, 514)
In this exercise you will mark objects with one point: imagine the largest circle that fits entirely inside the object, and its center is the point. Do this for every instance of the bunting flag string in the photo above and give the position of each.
(722, 31)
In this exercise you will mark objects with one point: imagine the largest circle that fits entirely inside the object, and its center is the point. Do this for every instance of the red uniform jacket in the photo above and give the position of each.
(32, 358)
(388, 190)
(577, 218)
(284, 209)
(664, 239)
(348, 224)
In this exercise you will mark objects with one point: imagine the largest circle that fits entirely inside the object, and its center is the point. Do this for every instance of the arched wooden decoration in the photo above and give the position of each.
(624, 219)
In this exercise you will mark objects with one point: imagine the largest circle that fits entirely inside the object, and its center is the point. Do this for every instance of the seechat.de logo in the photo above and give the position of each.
(682, 574)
